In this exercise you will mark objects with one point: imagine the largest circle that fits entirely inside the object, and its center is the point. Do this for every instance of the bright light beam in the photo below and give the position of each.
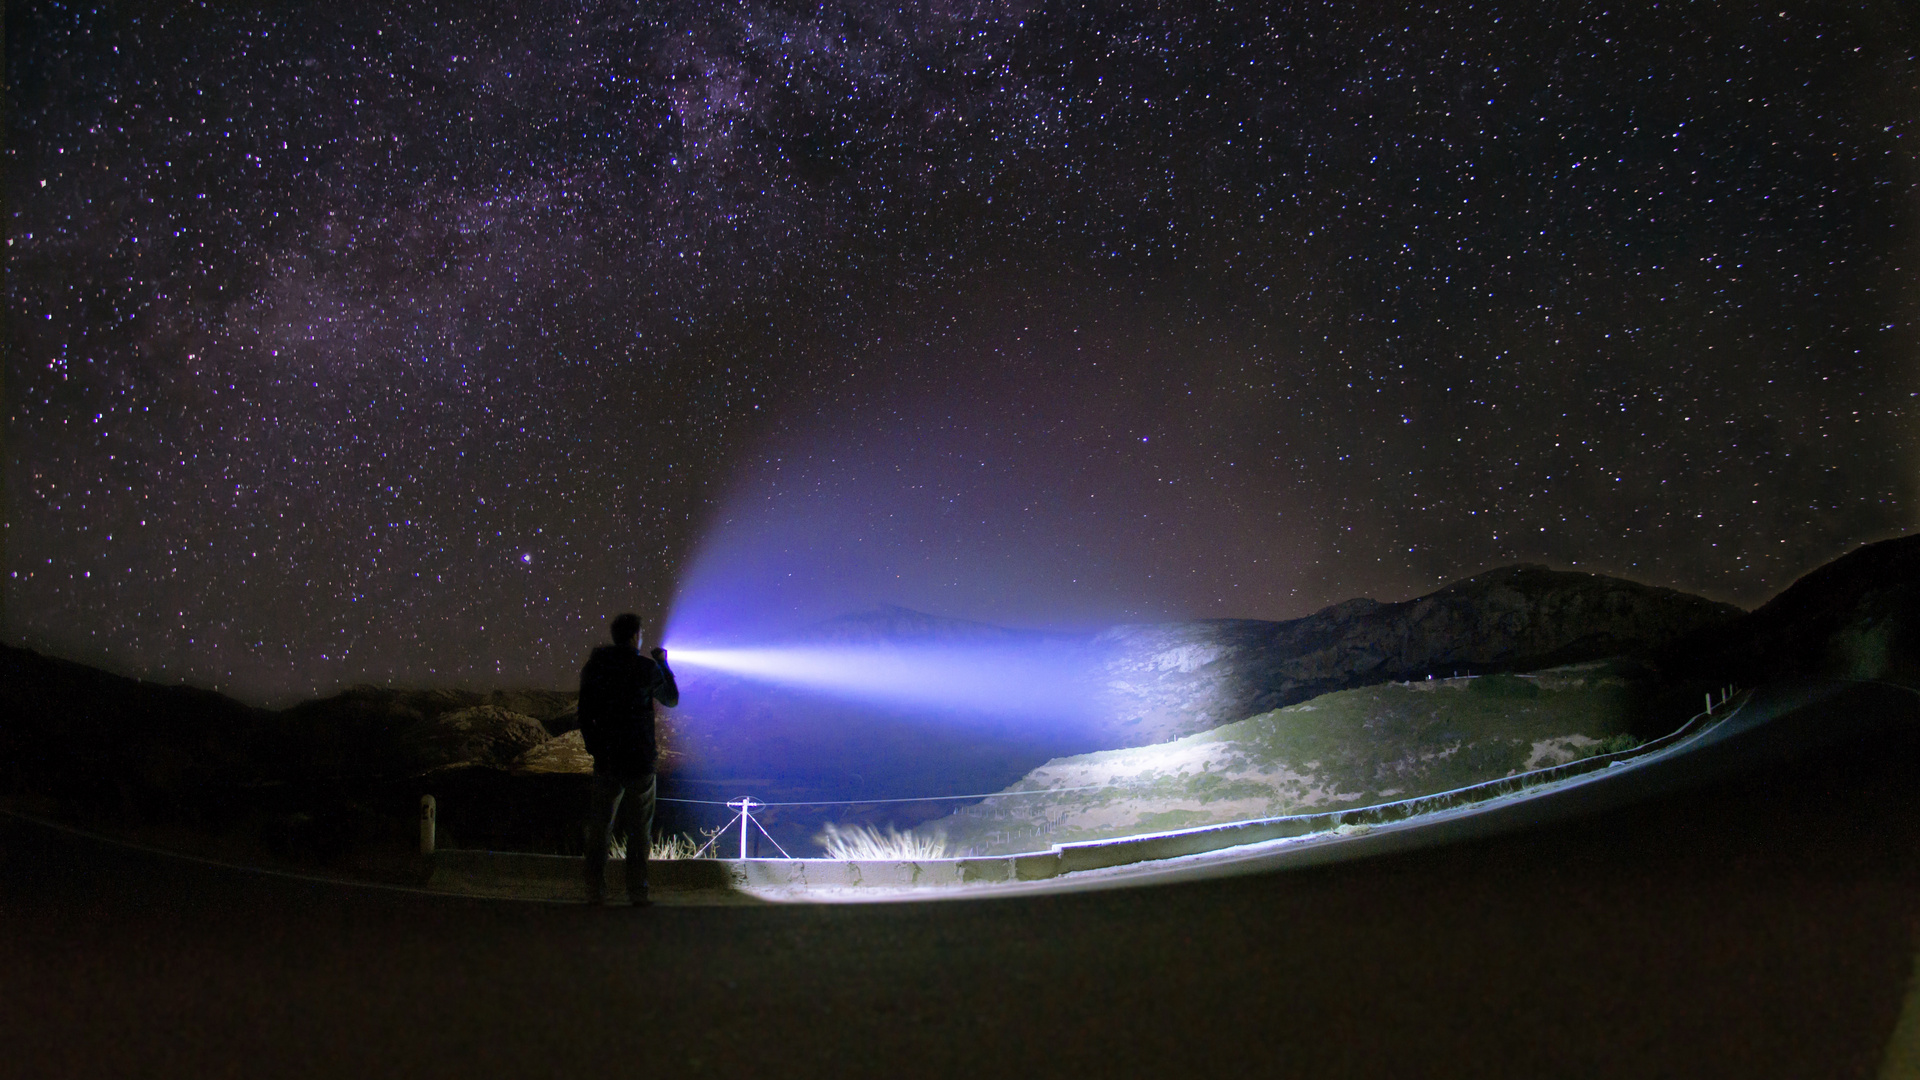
(995, 681)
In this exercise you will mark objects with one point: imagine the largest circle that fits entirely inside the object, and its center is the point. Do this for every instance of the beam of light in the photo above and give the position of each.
(1041, 683)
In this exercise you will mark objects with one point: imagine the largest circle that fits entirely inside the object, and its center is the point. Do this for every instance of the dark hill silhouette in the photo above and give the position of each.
(1856, 617)
(76, 733)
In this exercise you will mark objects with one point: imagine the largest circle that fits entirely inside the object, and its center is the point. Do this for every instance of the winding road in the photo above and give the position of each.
(1753, 914)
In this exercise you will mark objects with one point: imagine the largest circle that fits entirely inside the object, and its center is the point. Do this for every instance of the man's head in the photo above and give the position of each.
(626, 630)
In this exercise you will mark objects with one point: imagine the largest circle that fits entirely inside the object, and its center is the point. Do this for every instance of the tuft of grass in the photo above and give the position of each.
(867, 842)
(677, 846)
(1616, 744)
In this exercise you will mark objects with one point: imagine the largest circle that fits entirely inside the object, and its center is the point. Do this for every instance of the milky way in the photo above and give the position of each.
(411, 346)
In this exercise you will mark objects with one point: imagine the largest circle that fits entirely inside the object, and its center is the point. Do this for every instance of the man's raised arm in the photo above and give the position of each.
(669, 692)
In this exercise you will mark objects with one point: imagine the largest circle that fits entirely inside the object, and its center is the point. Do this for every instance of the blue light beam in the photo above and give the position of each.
(1041, 684)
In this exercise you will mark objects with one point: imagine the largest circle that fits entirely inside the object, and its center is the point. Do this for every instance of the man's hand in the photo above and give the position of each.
(660, 654)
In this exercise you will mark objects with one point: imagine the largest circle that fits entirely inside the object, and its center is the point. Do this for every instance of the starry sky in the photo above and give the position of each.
(350, 345)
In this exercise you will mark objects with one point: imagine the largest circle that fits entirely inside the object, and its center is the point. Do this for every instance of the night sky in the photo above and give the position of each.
(412, 346)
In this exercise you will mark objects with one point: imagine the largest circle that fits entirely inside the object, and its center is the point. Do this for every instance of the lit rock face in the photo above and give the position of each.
(567, 719)
(567, 754)
(562, 754)
(554, 709)
(483, 734)
(1169, 680)
(370, 730)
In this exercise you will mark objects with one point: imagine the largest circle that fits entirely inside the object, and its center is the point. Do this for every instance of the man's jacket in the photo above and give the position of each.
(617, 690)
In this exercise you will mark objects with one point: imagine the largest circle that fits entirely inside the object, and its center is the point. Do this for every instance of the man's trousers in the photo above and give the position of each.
(625, 804)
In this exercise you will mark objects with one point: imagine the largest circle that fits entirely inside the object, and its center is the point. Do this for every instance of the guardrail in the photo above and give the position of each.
(1096, 854)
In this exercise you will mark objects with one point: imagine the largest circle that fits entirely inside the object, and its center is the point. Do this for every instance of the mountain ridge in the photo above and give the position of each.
(1187, 675)
(98, 743)
(1196, 675)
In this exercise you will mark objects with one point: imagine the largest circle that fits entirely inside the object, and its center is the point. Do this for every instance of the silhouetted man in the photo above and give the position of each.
(617, 690)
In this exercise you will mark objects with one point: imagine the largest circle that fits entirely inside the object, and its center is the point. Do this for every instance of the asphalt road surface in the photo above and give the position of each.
(1761, 925)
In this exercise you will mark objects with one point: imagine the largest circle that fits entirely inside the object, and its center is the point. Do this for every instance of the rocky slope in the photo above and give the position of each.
(324, 777)
(382, 731)
(70, 720)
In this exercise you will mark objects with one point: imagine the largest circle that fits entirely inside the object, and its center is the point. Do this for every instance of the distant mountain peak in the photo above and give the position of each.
(1347, 609)
(893, 624)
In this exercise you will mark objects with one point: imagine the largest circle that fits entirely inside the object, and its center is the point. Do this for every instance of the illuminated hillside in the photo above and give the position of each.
(1352, 748)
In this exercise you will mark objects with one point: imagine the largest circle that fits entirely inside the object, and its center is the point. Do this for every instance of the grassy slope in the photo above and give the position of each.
(1352, 748)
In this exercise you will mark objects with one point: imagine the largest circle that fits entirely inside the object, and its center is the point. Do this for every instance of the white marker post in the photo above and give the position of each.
(427, 813)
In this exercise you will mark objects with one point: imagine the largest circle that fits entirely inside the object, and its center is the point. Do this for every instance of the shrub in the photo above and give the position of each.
(867, 842)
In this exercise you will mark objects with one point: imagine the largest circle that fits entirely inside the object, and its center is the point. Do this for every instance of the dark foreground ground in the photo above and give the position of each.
(1762, 926)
